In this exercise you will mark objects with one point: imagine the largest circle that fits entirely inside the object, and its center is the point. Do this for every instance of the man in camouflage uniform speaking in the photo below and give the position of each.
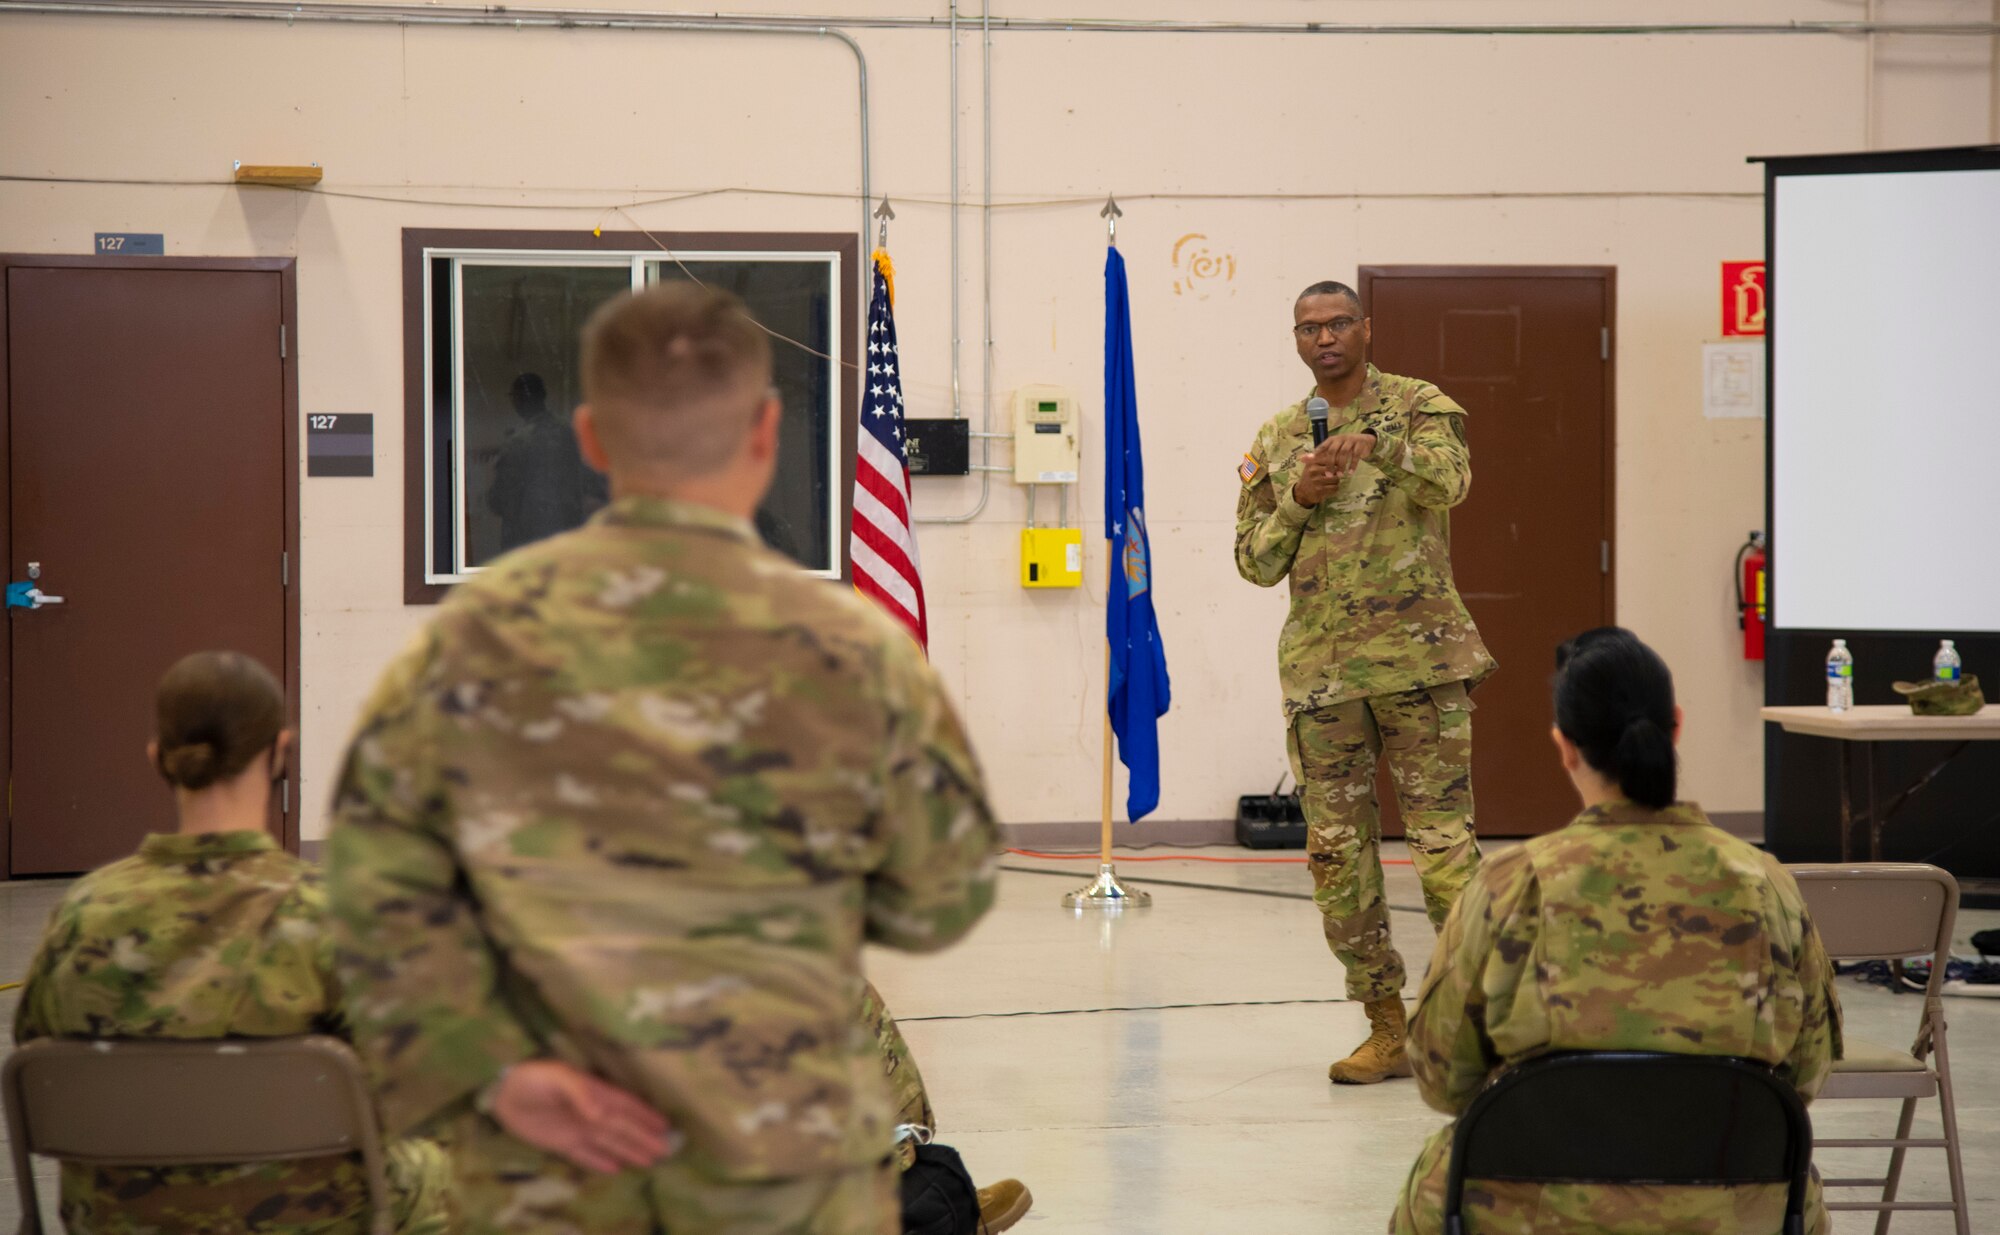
(1378, 652)
(612, 832)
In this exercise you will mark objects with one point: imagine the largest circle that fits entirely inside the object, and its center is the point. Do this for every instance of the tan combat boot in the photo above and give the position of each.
(1003, 1204)
(1382, 1055)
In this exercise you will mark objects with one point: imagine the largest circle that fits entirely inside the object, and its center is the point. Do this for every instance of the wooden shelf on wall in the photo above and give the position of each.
(280, 176)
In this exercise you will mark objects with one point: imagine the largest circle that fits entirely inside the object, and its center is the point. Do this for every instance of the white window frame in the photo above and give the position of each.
(639, 262)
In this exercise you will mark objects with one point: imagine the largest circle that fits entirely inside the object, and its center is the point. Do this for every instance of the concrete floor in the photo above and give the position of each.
(1164, 1071)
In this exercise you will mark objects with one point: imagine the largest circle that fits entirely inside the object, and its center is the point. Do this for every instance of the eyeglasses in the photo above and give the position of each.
(1313, 330)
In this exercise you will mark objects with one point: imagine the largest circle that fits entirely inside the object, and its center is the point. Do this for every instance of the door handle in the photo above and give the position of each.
(28, 596)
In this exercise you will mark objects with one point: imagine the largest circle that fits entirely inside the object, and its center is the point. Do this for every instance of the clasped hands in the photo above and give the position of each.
(1329, 463)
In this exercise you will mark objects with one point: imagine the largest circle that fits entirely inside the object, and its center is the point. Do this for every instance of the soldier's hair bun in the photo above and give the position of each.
(192, 765)
(1615, 700)
(215, 713)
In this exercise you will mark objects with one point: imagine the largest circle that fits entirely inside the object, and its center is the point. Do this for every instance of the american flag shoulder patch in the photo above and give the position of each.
(1251, 471)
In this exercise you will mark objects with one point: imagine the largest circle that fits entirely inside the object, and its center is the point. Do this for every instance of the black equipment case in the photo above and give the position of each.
(1271, 820)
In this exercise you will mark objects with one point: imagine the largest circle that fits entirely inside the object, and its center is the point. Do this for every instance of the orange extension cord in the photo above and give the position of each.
(1176, 857)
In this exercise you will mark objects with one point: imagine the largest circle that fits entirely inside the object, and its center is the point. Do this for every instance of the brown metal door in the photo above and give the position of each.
(1526, 350)
(147, 482)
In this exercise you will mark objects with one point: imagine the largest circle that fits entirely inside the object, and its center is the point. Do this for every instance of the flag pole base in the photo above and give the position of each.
(1105, 892)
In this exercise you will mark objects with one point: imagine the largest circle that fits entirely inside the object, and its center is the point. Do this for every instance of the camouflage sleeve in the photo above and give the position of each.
(1269, 523)
(308, 906)
(942, 845)
(1482, 953)
(1432, 460)
(419, 975)
(1819, 1041)
(37, 1015)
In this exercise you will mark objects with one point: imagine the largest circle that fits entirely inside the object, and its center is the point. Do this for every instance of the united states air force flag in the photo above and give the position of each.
(1139, 690)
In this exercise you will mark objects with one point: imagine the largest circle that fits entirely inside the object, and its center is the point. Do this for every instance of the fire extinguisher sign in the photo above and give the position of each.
(1742, 298)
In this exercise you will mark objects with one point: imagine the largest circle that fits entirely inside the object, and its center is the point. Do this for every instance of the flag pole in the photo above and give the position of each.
(1105, 892)
(1104, 816)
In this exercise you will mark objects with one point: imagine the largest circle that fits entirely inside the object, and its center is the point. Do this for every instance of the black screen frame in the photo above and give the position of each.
(1953, 822)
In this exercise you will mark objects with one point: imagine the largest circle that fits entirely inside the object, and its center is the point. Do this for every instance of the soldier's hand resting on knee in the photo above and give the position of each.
(572, 1114)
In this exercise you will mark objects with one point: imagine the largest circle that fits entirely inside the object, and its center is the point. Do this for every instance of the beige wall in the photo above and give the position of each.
(1626, 151)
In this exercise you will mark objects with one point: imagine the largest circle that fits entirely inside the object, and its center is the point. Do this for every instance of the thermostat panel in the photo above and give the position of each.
(1045, 436)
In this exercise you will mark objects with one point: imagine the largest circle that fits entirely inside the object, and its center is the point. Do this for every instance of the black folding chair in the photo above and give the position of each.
(1633, 1117)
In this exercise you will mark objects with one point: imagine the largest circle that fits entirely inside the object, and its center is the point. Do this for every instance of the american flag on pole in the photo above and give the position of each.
(882, 543)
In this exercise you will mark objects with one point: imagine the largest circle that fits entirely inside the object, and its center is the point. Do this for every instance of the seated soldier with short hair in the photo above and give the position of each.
(212, 932)
(612, 832)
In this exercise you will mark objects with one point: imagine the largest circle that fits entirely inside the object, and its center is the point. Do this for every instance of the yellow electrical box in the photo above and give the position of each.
(1051, 557)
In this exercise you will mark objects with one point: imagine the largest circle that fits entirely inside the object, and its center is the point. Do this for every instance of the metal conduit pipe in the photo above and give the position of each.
(986, 256)
(985, 434)
(1868, 83)
(1075, 25)
(499, 17)
(504, 15)
(618, 18)
(959, 408)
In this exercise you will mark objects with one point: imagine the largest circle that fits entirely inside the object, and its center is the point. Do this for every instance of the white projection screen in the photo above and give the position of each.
(1885, 397)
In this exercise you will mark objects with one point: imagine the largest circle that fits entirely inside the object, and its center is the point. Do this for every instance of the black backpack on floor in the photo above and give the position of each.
(938, 1196)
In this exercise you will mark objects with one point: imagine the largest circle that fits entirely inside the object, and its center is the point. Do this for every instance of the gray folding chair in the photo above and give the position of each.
(1892, 911)
(127, 1102)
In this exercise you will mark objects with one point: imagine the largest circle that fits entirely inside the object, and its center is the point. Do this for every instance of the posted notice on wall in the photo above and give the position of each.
(1732, 380)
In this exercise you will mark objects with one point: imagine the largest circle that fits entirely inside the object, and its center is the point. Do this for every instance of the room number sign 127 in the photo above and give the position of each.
(340, 444)
(131, 244)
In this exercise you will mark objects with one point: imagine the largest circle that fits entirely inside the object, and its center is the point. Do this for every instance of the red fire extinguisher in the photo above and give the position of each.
(1752, 595)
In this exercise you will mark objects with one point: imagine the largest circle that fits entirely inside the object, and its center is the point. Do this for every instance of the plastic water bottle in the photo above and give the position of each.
(1839, 677)
(1947, 665)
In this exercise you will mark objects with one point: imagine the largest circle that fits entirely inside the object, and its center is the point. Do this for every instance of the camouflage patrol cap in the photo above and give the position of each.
(1960, 698)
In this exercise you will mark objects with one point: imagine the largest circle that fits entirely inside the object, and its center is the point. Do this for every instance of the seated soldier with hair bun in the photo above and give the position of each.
(1639, 927)
(212, 932)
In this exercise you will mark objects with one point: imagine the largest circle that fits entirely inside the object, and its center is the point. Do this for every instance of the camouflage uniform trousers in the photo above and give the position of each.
(267, 1198)
(507, 1187)
(906, 1084)
(1426, 735)
(1494, 1208)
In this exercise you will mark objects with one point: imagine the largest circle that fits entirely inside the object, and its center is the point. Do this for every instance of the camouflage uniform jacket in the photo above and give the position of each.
(1630, 929)
(635, 798)
(1374, 610)
(200, 936)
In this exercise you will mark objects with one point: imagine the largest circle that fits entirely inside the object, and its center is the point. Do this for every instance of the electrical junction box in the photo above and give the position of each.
(1045, 436)
(937, 447)
(1051, 557)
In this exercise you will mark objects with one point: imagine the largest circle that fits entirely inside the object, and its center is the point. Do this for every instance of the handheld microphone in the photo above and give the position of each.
(1316, 410)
